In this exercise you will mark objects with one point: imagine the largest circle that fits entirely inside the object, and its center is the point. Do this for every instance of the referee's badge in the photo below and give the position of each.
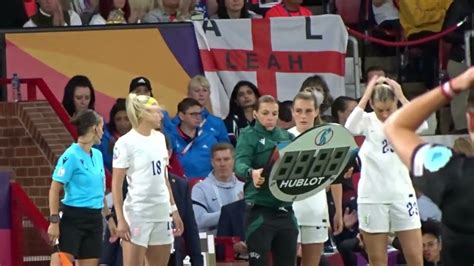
(61, 171)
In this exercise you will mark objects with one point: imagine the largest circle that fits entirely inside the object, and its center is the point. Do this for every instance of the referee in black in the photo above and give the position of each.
(443, 175)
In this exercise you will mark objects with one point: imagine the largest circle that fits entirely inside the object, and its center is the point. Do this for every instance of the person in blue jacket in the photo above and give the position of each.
(199, 89)
(191, 143)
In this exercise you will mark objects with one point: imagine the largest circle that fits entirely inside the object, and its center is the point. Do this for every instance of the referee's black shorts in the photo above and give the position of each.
(80, 232)
(457, 248)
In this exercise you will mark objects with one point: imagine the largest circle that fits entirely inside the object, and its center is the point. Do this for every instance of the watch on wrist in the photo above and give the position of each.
(250, 172)
(54, 218)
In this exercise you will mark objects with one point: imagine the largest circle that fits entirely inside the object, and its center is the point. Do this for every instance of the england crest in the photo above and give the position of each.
(311, 162)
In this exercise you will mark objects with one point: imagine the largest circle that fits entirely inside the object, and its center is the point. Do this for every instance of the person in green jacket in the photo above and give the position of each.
(270, 224)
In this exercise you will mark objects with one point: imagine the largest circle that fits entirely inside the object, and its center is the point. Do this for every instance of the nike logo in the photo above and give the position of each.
(214, 199)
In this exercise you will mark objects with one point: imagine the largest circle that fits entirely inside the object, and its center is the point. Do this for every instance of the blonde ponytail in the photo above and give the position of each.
(383, 92)
(136, 105)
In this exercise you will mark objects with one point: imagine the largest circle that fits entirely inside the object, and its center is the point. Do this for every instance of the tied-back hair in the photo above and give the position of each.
(308, 96)
(265, 99)
(136, 107)
(382, 93)
(84, 120)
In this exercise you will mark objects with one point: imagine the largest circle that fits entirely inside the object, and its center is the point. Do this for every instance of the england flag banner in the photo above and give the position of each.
(276, 54)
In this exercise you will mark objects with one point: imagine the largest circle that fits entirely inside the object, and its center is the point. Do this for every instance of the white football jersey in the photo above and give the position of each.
(312, 211)
(384, 178)
(146, 159)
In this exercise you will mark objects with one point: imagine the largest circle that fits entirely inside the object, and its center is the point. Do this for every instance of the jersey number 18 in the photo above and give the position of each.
(156, 166)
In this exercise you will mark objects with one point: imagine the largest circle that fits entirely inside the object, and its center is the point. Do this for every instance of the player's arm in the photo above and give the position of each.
(357, 120)
(178, 223)
(401, 127)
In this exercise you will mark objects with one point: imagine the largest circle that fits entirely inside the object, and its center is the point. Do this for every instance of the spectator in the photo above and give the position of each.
(463, 146)
(234, 9)
(188, 243)
(431, 234)
(199, 89)
(141, 86)
(168, 11)
(373, 71)
(231, 224)
(139, 9)
(78, 95)
(192, 144)
(386, 14)
(241, 105)
(118, 125)
(350, 241)
(341, 108)
(12, 14)
(111, 12)
(427, 208)
(459, 10)
(220, 188)
(51, 14)
(285, 119)
(288, 8)
(419, 19)
(85, 8)
(317, 83)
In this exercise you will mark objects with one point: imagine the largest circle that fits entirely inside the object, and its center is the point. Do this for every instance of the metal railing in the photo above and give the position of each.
(356, 63)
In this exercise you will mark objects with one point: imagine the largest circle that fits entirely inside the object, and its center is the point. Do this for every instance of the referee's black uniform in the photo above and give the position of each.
(448, 179)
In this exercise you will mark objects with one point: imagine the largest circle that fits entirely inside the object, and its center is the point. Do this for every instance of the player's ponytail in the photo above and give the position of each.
(136, 106)
(382, 93)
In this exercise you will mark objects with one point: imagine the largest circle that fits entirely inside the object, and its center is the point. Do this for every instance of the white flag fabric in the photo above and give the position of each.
(276, 54)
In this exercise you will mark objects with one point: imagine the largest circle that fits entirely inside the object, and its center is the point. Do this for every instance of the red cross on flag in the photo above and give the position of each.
(276, 54)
